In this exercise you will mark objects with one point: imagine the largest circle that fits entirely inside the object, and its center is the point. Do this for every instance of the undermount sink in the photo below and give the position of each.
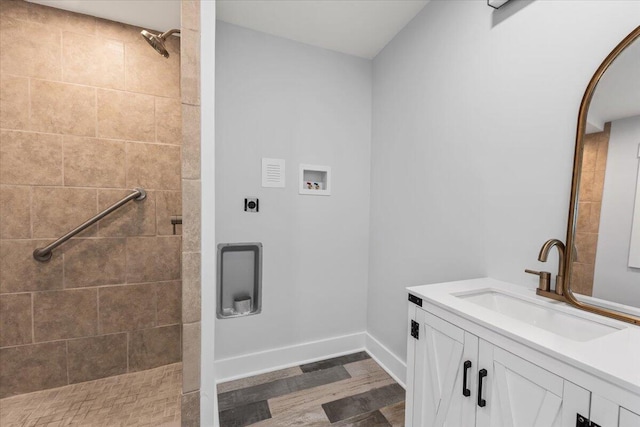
(563, 324)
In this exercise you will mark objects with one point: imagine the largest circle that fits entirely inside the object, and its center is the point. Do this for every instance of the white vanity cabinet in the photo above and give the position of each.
(455, 379)
(464, 374)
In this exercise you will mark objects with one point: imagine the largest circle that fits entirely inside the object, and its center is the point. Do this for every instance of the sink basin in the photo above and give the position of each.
(563, 324)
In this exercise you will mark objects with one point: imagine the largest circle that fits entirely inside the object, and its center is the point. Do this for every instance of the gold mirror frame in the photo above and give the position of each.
(577, 166)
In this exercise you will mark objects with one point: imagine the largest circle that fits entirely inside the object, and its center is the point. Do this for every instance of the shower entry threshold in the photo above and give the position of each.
(146, 398)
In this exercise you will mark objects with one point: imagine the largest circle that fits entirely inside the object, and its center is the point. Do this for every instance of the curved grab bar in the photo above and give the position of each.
(44, 254)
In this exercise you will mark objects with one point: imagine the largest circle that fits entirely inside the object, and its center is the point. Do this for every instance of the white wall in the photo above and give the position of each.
(282, 99)
(614, 279)
(474, 117)
(208, 390)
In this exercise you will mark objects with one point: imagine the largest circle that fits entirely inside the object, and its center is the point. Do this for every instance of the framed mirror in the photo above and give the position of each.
(602, 270)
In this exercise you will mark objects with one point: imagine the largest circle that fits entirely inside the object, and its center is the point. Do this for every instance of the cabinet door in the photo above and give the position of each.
(439, 360)
(521, 394)
(628, 419)
(603, 411)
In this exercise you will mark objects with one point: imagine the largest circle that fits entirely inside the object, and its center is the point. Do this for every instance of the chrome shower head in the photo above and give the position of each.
(157, 40)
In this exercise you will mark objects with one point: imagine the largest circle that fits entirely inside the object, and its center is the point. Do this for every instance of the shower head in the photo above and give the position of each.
(157, 40)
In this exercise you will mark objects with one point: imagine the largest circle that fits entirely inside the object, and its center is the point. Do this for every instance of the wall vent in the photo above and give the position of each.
(273, 172)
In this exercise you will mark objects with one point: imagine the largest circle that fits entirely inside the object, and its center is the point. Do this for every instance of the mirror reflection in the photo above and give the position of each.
(606, 264)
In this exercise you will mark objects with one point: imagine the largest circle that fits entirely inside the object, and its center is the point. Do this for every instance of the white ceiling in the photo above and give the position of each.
(356, 27)
(617, 95)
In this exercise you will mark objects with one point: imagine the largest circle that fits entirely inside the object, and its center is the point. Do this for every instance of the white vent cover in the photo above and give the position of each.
(273, 172)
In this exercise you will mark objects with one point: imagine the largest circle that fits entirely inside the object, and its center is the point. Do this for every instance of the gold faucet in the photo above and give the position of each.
(544, 288)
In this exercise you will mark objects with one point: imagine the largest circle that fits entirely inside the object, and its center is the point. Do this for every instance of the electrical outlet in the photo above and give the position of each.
(251, 205)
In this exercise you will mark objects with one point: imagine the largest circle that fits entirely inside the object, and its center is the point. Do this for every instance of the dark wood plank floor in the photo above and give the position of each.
(351, 390)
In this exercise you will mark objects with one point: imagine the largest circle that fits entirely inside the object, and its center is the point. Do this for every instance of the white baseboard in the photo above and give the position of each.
(386, 359)
(285, 357)
(258, 363)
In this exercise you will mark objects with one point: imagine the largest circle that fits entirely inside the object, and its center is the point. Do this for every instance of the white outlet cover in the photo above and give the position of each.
(273, 173)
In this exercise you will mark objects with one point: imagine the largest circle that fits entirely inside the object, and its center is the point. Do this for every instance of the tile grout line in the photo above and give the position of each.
(66, 346)
(74, 135)
(33, 318)
(128, 334)
(96, 129)
(98, 323)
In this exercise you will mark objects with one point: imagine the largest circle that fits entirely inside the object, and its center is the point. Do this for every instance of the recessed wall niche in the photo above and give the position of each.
(315, 180)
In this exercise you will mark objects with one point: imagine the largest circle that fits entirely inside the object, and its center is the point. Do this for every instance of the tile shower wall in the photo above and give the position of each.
(191, 182)
(87, 111)
(594, 164)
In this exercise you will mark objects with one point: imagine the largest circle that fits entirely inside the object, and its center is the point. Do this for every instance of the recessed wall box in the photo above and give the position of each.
(239, 282)
(315, 180)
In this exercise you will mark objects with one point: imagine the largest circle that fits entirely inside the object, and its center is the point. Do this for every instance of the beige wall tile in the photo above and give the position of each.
(90, 162)
(29, 49)
(582, 278)
(56, 68)
(118, 31)
(586, 246)
(603, 151)
(190, 67)
(146, 71)
(58, 210)
(168, 205)
(585, 193)
(191, 142)
(190, 409)
(598, 185)
(30, 158)
(191, 287)
(92, 60)
(153, 166)
(15, 319)
(594, 219)
(191, 215)
(136, 218)
(97, 357)
(168, 120)
(32, 367)
(190, 15)
(125, 115)
(154, 347)
(584, 216)
(590, 153)
(19, 272)
(190, 357)
(126, 308)
(61, 19)
(15, 212)
(153, 259)
(63, 108)
(65, 314)
(169, 302)
(17, 9)
(14, 102)
(94, 262)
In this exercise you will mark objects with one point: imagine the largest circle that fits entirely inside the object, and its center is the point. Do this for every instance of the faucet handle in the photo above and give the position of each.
(545, 279)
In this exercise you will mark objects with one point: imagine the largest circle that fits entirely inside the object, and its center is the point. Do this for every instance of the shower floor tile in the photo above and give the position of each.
(351, 390)
(147, 398)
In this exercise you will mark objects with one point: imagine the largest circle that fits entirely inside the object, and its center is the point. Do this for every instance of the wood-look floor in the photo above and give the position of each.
(351, 390)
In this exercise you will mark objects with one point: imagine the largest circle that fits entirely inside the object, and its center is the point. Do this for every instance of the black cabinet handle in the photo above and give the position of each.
(481, 374)
(465, 390)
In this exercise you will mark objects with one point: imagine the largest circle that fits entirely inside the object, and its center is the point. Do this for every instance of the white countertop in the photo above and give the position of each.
(614, 357)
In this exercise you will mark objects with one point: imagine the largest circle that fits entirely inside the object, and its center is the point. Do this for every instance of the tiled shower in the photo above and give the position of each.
(87, 112)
